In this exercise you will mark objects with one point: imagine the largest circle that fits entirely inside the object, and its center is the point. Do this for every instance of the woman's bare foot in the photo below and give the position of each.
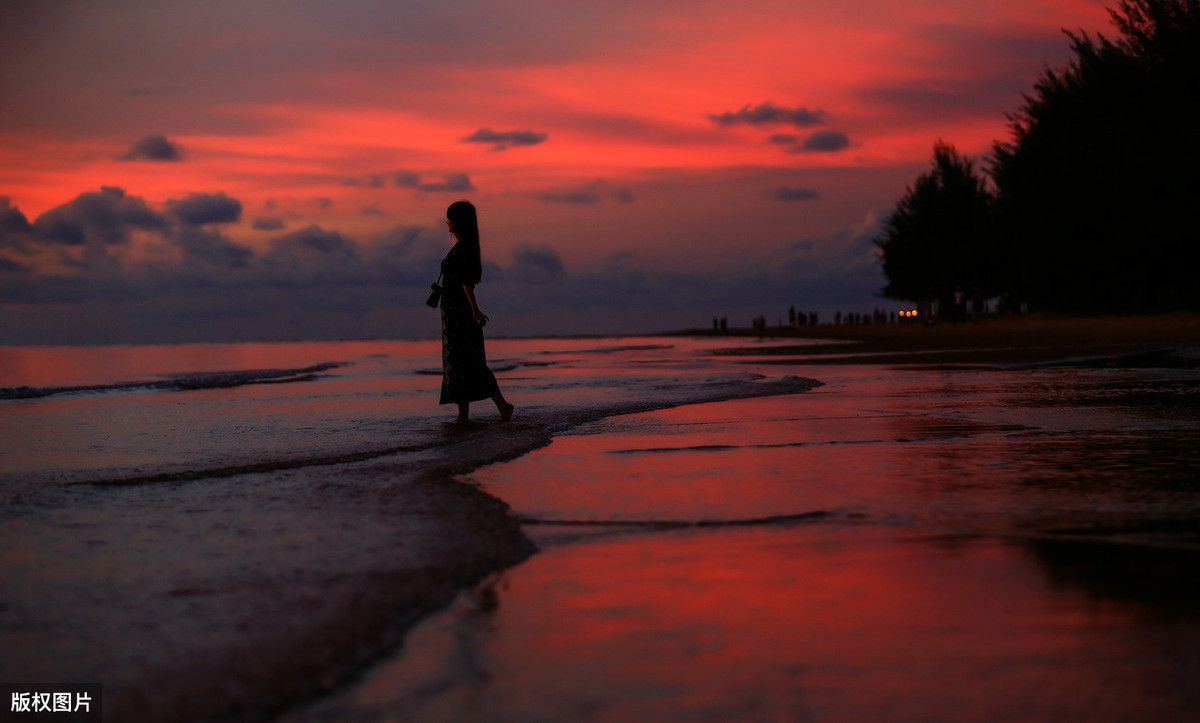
(506, 411)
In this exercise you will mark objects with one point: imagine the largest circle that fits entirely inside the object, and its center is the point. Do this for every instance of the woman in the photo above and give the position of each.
(465, 374)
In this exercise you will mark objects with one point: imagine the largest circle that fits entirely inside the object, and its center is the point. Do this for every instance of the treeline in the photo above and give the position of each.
(1090, 206)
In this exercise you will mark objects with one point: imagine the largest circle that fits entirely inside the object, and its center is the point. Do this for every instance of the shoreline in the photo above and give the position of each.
(1027, 339)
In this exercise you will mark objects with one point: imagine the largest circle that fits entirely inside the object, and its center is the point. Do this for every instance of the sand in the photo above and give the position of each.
(1031, 338)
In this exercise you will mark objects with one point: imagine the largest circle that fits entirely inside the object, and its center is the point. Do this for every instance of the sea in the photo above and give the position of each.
(669, 528)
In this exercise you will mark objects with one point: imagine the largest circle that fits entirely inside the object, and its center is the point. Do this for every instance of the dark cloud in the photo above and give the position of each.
(825, 142)
(321, 202)
(625, 196)
(536, 265)
(213, 248)
(406, 179)
(198, 209)
(500, 141)
(769, 114)
(406, 255)
(371, 181)
(450, 182)
(11, 218)
(268, 223)
(154, 147)
(795, 194)
(15, 229)
(582, 198)
(104, 218)
(10, 266)
(784, 139)
(311, 253)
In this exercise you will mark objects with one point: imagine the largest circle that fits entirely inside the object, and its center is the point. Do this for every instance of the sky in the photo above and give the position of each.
(229, 170)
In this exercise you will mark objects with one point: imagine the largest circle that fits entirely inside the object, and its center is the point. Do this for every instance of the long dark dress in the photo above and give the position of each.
(465, 374)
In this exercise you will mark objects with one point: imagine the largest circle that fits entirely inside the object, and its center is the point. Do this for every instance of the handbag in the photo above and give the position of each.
(435, 293)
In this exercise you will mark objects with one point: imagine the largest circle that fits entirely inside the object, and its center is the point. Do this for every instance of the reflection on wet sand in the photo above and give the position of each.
(989, 546)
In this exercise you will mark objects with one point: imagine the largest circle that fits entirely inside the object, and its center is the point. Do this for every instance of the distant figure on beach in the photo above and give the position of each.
(465, 374)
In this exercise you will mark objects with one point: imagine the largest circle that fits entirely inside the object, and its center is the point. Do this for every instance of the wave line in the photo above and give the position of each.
(677, 524)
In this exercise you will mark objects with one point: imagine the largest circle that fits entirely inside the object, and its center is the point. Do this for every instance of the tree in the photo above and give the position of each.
(939, 237)
(1095, 186)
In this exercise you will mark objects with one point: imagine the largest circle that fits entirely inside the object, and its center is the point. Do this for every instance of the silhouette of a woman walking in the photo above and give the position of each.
(465, 374)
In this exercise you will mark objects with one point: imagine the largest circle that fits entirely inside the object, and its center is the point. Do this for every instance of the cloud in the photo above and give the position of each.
(105, 217)
(11, 218)
(154, 147)
(450, 182)
(14, 227)
(198, 209)
(502, 140)
(769, 114)
(372, 181)
(825, 142)
(784, 193)
(309, 254)
(267, 223)
(536, 265)
(372, 211)
(406, 179)
(406, 255)
(784, 139)
(583, 198)
(10, 266)
(213, 249)
(587, 195)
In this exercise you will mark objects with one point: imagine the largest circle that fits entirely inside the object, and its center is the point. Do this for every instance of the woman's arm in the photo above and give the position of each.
(480, 317)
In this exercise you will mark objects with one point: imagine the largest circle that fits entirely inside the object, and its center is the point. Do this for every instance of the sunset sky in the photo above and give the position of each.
(271, 169)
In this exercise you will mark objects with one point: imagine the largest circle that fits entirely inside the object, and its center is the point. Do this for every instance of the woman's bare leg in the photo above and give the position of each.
(464, 410)
(502, 406)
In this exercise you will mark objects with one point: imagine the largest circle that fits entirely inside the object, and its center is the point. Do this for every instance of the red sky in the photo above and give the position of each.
(613, 149)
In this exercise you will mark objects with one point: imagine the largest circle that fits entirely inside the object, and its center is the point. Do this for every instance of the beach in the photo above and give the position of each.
(991, 522)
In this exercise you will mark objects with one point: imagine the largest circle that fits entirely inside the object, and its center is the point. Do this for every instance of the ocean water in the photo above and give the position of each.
(243, 532)
(221, 531)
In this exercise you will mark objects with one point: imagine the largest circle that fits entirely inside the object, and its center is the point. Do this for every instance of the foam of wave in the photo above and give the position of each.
(180, 382)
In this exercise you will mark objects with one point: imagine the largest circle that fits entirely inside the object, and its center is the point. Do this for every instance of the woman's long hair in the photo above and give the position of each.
(466, 230)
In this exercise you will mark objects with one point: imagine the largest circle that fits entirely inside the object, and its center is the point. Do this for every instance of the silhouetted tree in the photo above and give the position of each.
(939, 236)
(1096, 186)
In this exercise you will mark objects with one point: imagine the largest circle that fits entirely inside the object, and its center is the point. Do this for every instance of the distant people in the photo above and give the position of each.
(960, 304)
(724, 324)
(465, 374)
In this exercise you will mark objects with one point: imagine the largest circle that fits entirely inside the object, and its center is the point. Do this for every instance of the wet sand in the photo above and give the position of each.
(935, 540)
(927, 542)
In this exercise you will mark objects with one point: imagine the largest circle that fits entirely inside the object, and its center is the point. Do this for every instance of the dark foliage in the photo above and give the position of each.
(940, 235)
(1096, 185)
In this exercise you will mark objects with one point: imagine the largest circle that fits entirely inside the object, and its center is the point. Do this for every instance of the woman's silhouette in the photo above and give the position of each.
(465, 374)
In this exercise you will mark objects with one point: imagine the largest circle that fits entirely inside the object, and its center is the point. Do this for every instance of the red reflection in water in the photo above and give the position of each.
(778, 623)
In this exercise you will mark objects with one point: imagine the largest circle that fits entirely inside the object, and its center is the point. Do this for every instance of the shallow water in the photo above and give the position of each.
(957, 545)
(716, 537)
(220, 532)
